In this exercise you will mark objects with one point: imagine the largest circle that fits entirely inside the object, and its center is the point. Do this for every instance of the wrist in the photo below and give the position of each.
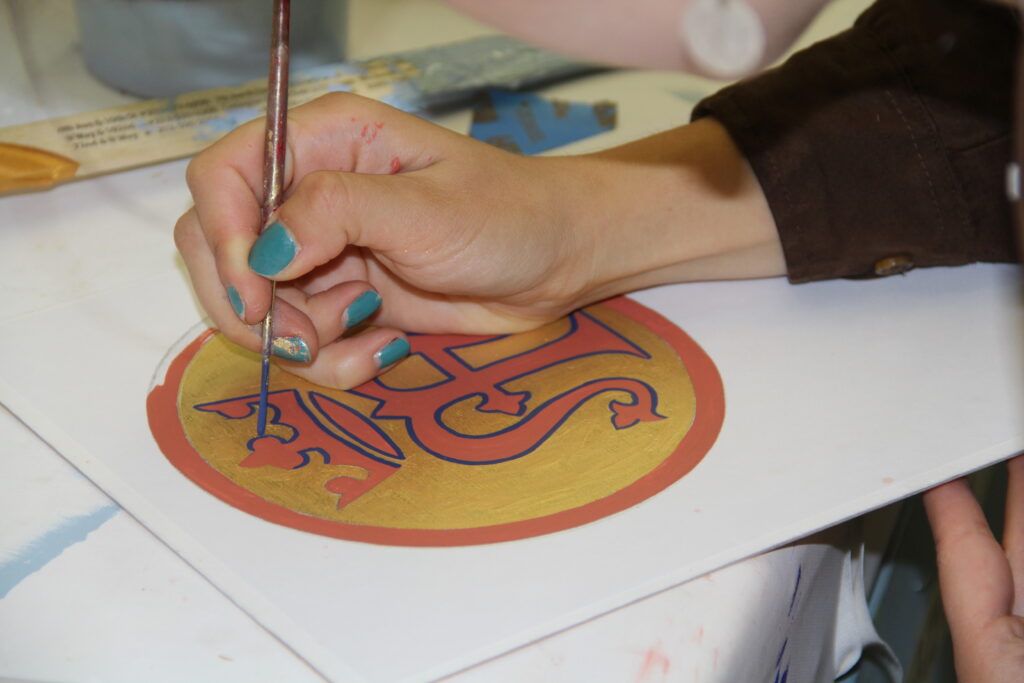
(675, 207)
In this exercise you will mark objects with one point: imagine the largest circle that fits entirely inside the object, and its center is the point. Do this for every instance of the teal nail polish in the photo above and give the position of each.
(362, 308)
(291, 348)
(274, 250)
(236, 301)
(392, 352)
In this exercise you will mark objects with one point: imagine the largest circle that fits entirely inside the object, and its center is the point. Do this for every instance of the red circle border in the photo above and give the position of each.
(162, 408)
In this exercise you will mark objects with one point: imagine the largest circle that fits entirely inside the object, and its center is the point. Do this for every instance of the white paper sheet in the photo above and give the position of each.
(840, 397)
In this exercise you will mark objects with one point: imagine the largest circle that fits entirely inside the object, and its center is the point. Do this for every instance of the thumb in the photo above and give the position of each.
(330, 210)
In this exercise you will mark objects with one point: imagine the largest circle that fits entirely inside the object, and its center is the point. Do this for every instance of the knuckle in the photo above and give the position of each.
(195, 170)
(331, 370)
(184, 233)
(323, 192)
(338, 99)
(220, 256)
(340, 377)
(335, 377)
(346, 104)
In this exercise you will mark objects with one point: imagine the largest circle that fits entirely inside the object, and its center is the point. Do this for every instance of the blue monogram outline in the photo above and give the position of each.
(252, 402)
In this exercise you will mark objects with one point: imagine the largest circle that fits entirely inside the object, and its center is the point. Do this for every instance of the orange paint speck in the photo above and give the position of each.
(654, 661)
(396, 165)
(887, 480)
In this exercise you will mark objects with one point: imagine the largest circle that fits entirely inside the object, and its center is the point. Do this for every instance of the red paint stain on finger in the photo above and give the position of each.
(396, 165)
(369, 132)
(654, 662)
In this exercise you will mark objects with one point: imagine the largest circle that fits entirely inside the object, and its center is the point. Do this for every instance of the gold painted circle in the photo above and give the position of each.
(490, 484)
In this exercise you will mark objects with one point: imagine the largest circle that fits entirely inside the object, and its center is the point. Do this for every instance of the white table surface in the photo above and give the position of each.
(87, 593)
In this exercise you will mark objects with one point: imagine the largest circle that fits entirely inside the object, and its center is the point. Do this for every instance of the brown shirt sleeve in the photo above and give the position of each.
(886, 147)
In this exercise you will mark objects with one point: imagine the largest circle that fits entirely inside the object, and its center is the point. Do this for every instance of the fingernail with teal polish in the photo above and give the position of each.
(291, 348)
(236, 302)
(274, 250)
(362, 308)
(392, 352)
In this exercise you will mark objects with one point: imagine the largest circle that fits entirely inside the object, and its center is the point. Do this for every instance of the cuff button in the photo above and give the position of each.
(893, 265)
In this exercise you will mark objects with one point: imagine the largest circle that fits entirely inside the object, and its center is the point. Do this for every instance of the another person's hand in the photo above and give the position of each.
(982, 582)
(454, 235)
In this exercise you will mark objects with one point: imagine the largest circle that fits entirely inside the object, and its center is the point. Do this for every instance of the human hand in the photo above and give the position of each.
(456, 236)
(982, 583)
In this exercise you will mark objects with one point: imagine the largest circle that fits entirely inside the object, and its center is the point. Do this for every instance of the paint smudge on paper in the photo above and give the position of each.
(654, 662)
(41, 551)
(792, 599)
(781, 672)
(214, 128)
(234, 118)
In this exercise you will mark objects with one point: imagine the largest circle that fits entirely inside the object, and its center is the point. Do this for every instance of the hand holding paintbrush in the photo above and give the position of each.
(274, 154)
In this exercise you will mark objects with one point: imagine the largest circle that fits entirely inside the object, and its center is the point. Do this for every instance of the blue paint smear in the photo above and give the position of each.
(213, 128)
(405, 96)
(42, 550)
(529, 124)
(792, 600)
(328, 71)
(236, 116)
(782, 651)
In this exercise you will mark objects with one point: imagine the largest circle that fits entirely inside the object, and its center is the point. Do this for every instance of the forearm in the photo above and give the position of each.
(627, 33)
(675, 207)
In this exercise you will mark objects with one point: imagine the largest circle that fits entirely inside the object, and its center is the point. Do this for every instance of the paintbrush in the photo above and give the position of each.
(273, 171)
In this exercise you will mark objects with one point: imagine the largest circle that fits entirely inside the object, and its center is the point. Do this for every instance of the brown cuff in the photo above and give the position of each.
(885, 147)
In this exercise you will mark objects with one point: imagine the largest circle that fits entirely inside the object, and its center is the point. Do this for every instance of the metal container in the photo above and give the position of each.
(162, 48)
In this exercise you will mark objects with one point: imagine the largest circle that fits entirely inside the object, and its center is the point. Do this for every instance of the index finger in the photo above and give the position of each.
(974, 576)
(1013, 529)
(226, 184)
